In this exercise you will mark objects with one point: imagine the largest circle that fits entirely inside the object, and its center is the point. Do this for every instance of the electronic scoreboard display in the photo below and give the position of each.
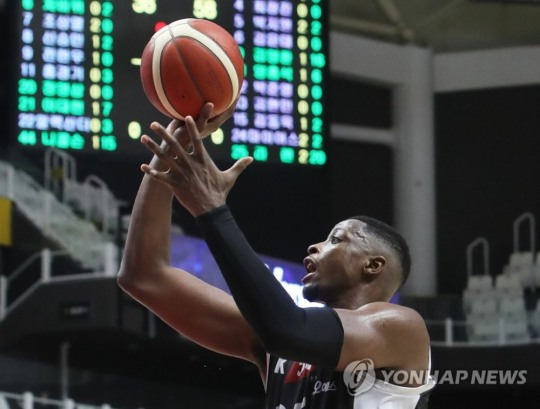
(78, 86)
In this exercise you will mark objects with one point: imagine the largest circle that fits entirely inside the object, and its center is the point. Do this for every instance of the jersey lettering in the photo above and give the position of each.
(301, 404)
(298, 371)
(279, 366)
(328, 386)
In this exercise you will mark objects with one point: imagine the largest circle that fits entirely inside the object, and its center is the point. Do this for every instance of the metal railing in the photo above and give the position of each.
(55, 219)
(28, 400)
(454, 333)
(92, 197)
(45, 259)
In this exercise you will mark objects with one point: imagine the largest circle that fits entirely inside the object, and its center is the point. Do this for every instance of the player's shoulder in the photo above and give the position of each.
(394, 335)
(389, 308)
(393, 315)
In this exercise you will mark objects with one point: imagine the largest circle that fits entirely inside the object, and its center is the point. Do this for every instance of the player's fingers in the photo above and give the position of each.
(171, 144)
(239, 166)
(196, 140)
(154, 174)
(173, 126)
(157, 150)
(152, 146)
(204, 116)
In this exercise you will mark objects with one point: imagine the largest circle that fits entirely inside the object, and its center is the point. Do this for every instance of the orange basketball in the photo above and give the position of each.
(188, 63)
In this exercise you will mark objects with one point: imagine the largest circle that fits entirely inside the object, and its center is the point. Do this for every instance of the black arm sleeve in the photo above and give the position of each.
(309, 335)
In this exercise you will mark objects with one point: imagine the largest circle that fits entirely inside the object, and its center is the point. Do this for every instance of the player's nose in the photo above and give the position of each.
(314, 248)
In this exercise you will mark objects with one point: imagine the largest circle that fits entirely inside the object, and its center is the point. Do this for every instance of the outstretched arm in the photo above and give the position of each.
(199, 311)
(312, 335)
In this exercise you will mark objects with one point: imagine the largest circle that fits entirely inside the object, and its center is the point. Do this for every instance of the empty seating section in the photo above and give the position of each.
(495, 304)
(496, 313)
(80, 238)
(91, 199)
(95, 202)
(481, 309)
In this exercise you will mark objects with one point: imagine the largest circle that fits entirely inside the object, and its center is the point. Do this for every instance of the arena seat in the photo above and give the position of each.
(508, 285)
(478, 286)
(480, 283)
(521, 264)
(482, 319)
(483, 306)
(514, 315)
(482, 328)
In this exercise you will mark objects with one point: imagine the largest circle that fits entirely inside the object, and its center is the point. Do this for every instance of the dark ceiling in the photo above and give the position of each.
(442, 25)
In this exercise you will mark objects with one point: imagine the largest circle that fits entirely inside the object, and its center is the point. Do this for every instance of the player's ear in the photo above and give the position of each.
(375, 264)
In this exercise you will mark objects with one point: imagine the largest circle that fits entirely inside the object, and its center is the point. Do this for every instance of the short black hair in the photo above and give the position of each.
(392, 238)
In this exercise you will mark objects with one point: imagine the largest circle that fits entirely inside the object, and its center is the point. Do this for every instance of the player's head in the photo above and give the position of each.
(362, 257)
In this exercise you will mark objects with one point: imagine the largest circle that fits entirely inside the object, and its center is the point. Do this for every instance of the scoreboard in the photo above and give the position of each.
(78, 86)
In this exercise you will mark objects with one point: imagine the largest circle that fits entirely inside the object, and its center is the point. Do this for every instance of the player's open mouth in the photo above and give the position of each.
(310, 266)
(307, 278)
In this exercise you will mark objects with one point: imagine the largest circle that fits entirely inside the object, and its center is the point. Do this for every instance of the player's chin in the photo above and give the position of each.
(311, 292)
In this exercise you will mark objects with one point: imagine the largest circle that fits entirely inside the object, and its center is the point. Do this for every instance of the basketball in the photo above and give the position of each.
(188, 63)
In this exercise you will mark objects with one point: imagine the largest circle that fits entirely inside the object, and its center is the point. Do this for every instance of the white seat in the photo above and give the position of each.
(482, 318)
(507, 281)
(514, 315)
(522, 265)
(482, 328)
(521, 258)
(480, 283)
(515, 328)
(477, 286)
(512, 305)
(526, 277)
(483, 306)
(508, 285)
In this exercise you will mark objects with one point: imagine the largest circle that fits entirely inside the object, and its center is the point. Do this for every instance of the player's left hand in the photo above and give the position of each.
(193, 176)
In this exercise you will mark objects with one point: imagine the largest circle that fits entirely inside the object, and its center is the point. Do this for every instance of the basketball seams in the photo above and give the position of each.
(160, 42)
(233, 82)
(186, 66)
(219, 60)
(185, 30)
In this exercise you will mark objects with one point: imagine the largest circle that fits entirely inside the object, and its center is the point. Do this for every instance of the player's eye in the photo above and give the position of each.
(335, 240)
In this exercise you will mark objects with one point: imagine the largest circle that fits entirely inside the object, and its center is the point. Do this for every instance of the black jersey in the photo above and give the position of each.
(294, 385)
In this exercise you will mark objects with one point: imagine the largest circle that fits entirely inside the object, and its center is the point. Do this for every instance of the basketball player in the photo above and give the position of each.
(308, 358)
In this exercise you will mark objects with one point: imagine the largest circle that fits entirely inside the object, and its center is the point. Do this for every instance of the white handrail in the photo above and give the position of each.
(448, 337)
(100, 200)
(480, 241)
(527, 216)
(55, 160)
